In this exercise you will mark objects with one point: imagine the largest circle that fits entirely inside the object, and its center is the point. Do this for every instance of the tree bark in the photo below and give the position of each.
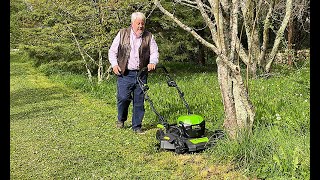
(250, 11)
(100, 67)
(201, 55)
(279, 35)
(225, 83)
(265, 35)
(290, 39)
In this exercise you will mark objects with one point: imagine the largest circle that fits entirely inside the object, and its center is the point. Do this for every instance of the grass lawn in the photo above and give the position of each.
(60, 133)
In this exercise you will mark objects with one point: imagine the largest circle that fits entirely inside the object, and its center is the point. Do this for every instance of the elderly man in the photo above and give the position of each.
(132, 49)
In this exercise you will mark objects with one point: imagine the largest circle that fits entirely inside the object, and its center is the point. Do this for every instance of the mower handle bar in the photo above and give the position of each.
(170, 82)
(157, 66)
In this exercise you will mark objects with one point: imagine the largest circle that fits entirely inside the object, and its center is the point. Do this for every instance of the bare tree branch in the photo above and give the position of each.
(279, 35)
(223, 58)
(208, 21)
(185, 27)
(266, 27)
(81, 52)
(234, 28)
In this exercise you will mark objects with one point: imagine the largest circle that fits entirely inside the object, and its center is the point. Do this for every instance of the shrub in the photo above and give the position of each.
(50, 52)
(77, 67)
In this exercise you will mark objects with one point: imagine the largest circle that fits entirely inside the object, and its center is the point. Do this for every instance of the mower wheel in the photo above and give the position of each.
(157, 147)
(159, 134)
(180, 146)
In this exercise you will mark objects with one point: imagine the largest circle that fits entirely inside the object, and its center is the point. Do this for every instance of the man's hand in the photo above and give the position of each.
(116, 69)
(151, 67)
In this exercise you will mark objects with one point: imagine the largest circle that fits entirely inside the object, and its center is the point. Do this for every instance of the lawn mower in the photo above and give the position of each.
(188, 133)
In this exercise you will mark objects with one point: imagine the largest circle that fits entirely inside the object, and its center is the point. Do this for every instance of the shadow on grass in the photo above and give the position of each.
(36, 101)
(34, 112)
(36, 95)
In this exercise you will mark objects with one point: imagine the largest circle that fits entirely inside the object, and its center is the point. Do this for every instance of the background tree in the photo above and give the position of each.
(16, 10)
(178, 45)
(78, 31)
(222, 20)
(298, 31)
(41, 37)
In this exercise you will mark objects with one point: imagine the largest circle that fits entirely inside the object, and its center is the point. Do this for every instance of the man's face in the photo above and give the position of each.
(138, 26)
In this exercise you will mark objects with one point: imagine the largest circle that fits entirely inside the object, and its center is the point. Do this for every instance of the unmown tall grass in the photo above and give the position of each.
(279, 147)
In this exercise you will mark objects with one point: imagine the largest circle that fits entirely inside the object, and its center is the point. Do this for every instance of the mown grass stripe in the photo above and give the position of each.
(60, 133)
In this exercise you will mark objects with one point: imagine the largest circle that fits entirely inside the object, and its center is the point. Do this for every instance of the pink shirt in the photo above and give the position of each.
(135, 43)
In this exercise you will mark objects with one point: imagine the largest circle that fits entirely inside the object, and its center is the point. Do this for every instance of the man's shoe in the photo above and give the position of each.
(139, 131)
(120, 124)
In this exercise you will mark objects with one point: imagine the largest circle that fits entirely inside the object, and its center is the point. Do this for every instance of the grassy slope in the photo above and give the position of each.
(59, 133)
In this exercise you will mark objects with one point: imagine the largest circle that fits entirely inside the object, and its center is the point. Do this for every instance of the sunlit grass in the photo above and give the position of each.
(63, 127)
(58, 132)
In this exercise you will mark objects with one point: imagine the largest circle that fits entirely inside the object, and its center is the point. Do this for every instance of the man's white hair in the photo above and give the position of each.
(137, 15)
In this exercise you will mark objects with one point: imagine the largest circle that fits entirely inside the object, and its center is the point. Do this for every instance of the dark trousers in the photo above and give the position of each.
(129, 90)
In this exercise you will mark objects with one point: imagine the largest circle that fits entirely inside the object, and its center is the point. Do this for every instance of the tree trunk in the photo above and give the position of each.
(200, 56)
(279, 35)
(100, 68)
(225, 83)
(265, 35)
(82, 55)
(290, 39)
(201, 60)
(239, 111)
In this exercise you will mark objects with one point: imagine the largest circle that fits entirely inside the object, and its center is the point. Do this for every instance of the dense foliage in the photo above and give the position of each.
(79, 33)
(45, 30)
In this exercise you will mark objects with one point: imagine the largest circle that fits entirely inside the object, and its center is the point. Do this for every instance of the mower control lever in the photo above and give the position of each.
(145, 87)
(171, 83)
